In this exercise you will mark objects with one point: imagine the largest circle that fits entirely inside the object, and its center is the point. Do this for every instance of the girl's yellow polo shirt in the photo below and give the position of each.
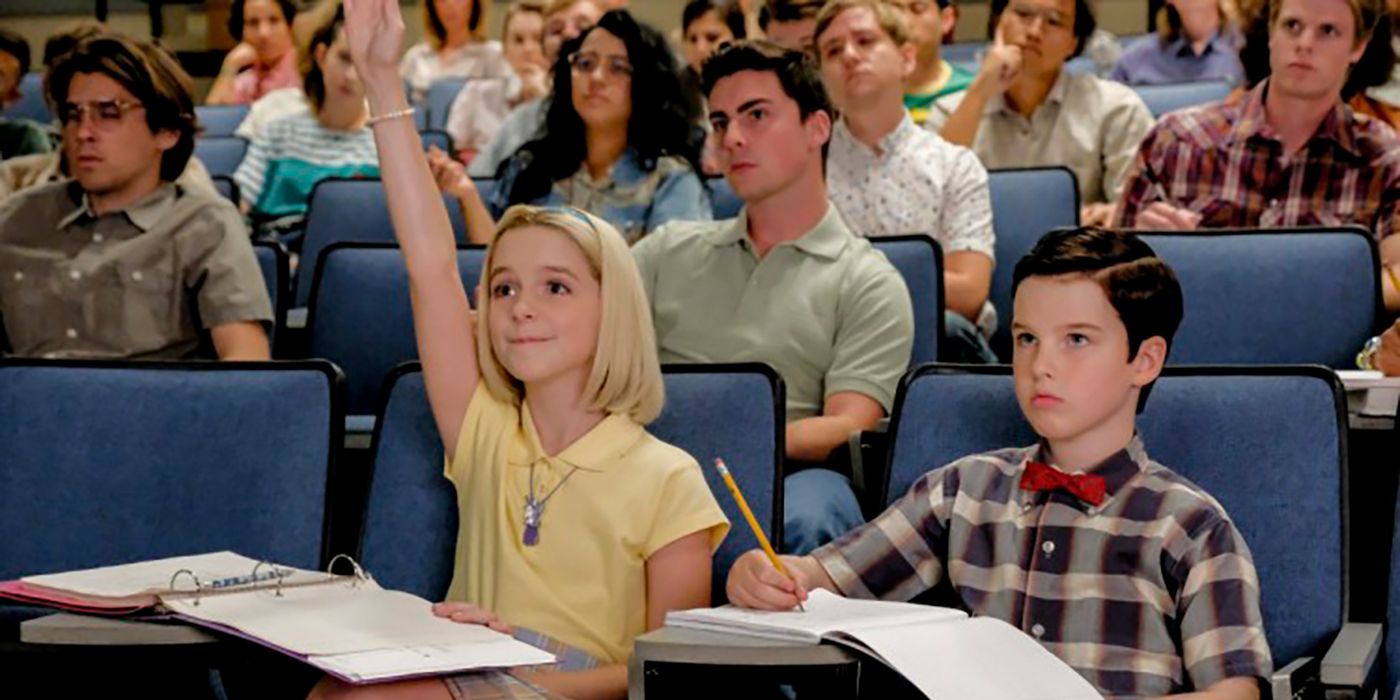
(584, 582)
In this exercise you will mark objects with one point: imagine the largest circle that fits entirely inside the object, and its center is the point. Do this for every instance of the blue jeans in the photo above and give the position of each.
(818, 507)
(963, 343)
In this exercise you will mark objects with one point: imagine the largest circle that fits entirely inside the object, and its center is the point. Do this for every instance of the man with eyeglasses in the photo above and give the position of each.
(1025, 110)
(889, 177)
(563, 20)
(929, 21)
(122, 262)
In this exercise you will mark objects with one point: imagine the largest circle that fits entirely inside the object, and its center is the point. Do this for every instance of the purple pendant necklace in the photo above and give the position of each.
(534, 508)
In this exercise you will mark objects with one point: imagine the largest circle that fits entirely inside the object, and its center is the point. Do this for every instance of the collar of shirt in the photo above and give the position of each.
(1117, 470)
(828, 239)
(1253, 121)
(597, 451)
(1057, 95)
(144, 213)
(1180, 47)
(846, 144)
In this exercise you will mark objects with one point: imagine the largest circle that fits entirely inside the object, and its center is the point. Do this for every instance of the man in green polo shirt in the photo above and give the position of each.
(786, 283)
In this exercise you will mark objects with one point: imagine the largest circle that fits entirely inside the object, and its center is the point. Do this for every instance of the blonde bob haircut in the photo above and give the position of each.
(626, 374)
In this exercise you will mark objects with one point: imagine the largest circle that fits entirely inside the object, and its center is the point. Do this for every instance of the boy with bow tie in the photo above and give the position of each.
(1131, 574)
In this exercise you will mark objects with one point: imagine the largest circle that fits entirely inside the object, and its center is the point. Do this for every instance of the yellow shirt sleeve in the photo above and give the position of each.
(486, 421)
(685, 505)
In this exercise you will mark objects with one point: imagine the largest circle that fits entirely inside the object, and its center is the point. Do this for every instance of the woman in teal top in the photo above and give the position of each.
(293, 153)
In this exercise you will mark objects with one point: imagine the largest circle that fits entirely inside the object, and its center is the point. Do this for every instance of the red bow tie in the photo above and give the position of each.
(1043, 477)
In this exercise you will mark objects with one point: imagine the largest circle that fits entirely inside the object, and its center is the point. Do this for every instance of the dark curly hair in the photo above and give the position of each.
(660, 125)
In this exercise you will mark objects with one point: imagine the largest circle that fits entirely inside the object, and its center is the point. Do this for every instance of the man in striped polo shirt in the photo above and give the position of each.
(1131, 574)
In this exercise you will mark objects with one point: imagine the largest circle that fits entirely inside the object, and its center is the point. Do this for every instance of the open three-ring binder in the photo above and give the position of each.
(347, 626)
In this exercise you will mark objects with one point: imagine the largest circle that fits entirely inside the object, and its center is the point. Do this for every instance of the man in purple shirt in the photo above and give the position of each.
(1195, 42)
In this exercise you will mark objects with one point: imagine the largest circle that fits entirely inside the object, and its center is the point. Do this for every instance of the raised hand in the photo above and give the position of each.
(1001, 66)
(374, 30)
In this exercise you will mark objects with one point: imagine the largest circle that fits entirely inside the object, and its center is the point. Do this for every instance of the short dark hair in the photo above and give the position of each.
(59, 44)
(1084, 22)
(313, 83)
(796, 71)
(150, 74)
(729, 11)
(788, 11)
(15, 45)
(235, 16)
(1141, 287)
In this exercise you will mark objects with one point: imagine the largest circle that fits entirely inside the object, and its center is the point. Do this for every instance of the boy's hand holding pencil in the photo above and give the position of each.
(771, 584)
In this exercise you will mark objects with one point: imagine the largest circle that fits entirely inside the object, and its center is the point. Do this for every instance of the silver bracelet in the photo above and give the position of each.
(1366, 359)
(392, 115)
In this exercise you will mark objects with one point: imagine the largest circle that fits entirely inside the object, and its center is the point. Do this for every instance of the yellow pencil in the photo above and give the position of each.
(753, 523)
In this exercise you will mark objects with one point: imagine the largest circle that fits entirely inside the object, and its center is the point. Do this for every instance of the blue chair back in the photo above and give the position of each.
(220, 154)
(275, 264)
(965, 52)
(1026, 204)
(1161, 99)
(409, 532)
(1304, 296)
(358, 283)
(226, 187)
(112, 462)
(436, 137)
(919, 260)
(31, 104)
(352, 211)
(1081, 65)
(410, 521)
(220, 120)
(735, 412)
(439, 100)
(1282, 480)
(724, 203)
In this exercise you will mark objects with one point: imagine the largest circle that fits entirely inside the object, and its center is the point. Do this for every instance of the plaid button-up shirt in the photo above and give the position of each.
(1226, 163)
(1152, 592)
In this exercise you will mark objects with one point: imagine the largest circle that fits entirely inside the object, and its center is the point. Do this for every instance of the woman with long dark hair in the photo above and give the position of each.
(617, 138)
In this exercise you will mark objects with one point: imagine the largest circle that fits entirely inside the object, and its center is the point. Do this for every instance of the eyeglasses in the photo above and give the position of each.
(614, 66)
(105, 113)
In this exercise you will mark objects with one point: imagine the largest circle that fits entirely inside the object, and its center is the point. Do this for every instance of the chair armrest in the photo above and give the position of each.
(1350, 668)
(1290, 681)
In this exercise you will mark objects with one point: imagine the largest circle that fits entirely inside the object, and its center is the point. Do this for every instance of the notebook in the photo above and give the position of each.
(1370, 393)
(942, 652)
(347, 626)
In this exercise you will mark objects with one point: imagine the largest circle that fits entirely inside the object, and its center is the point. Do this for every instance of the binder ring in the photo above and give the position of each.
(276, 574)
(359, 575)
(197, 585)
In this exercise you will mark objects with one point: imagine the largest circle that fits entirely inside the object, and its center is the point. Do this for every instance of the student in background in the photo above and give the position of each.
(23, 172)
(1196, 40)
(929, 21)
(889, 177)
(18, 137)
(617, 138)
(1025, 110)
(482, 105)
(563, 20)
(1289, 152)
(1372, 70)
(295, 152)
(456, 46)
(121, 262)
(787, 282)
(1172, 610)
(265, 58)
(707, 25)
(579, 530)
(790, 23)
